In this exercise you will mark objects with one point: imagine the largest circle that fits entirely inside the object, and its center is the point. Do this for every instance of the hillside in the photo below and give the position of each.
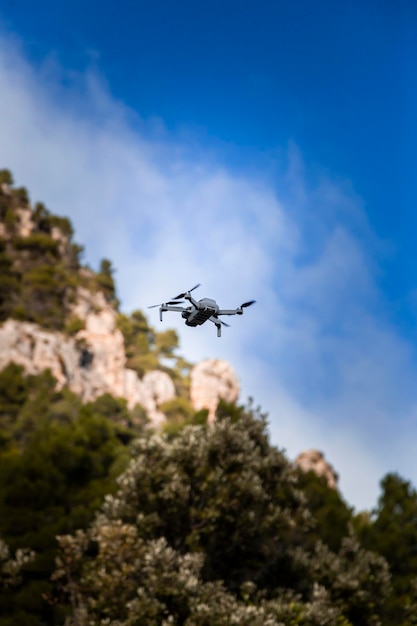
(134, 489)
(60, 315)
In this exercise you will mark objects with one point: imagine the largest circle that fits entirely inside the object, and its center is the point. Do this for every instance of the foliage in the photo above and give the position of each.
(44, 289)
(38, 271)
(73, 325)
(146, 349)
(40, 263)
(232, 411)
(139, 340)
(166, 342)
(105, 281)
(180, 413)
(210, 527)
(58, 458)
(14, 391)
(8, 283)
(392, 532)
(6, 177)
(177, 410)
(10, 567)
(153, 583)
(332, 515)
(22, 196)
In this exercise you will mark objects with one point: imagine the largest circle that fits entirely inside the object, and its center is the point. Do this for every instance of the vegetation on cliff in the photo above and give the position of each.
(41, 269)
(40, 263)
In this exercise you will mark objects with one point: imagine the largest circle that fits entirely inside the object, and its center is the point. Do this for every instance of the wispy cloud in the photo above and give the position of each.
(316, 351)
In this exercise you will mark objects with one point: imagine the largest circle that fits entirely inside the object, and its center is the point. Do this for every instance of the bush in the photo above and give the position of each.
(74, 325)
(6, 177)
(58, 459)
(207, 528)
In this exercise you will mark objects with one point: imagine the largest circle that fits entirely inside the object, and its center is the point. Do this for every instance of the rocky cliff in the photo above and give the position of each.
(211, 380)
(93, 362)
(90, 364)
(59, 315)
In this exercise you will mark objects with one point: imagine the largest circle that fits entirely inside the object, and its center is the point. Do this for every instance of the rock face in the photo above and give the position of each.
(91, 363)
(25, 224)
(211, 380)
(314, 461)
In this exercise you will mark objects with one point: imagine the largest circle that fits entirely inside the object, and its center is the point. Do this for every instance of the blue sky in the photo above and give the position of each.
(263, 149)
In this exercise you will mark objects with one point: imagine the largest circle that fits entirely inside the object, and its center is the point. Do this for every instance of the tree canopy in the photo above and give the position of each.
(58, 458)
(211, 527)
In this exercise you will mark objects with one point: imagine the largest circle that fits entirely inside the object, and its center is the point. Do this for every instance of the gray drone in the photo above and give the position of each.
(200, 311)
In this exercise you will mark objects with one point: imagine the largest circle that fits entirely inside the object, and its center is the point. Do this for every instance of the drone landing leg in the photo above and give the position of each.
(219, 330)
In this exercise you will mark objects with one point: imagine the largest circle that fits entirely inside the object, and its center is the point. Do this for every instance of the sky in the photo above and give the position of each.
(265, 150)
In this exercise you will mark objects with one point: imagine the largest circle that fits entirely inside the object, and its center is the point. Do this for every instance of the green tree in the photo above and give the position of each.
(392, 531)
(44, 290)
(105, 280)
(332, 516)
(10, 567)
(166, 342)
(9, 285)
(210, 527)
(6, 177)
(14, 389)
(139, 338)
(58, 459)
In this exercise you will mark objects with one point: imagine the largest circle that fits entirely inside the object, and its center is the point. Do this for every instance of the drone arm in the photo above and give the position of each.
(168, 307)
(172, 308)
(238, 310)
(229, 312)
(190, 298)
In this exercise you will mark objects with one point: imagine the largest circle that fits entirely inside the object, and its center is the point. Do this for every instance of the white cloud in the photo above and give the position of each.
(315, 351)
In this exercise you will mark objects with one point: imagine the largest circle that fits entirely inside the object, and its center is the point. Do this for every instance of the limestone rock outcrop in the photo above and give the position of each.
(25, 223)
(212, 380)
(93, 362)
(90, 363)
(314, 461)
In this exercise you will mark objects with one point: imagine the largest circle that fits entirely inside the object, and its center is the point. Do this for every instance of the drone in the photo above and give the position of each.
(200, 310)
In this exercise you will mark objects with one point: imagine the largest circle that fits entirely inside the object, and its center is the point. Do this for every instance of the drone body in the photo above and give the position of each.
(200, 311)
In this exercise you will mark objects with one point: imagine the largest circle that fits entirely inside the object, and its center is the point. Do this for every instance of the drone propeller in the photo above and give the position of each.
(182, 295)
(245, 304)
(165, 303)
(217, 320)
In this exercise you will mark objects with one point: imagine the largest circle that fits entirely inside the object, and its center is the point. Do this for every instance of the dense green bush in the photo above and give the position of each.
(11, 566)
(6, 177)
(105, 281)
(211, 527)
(333, 517)
(392, 532)
(58, 458)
